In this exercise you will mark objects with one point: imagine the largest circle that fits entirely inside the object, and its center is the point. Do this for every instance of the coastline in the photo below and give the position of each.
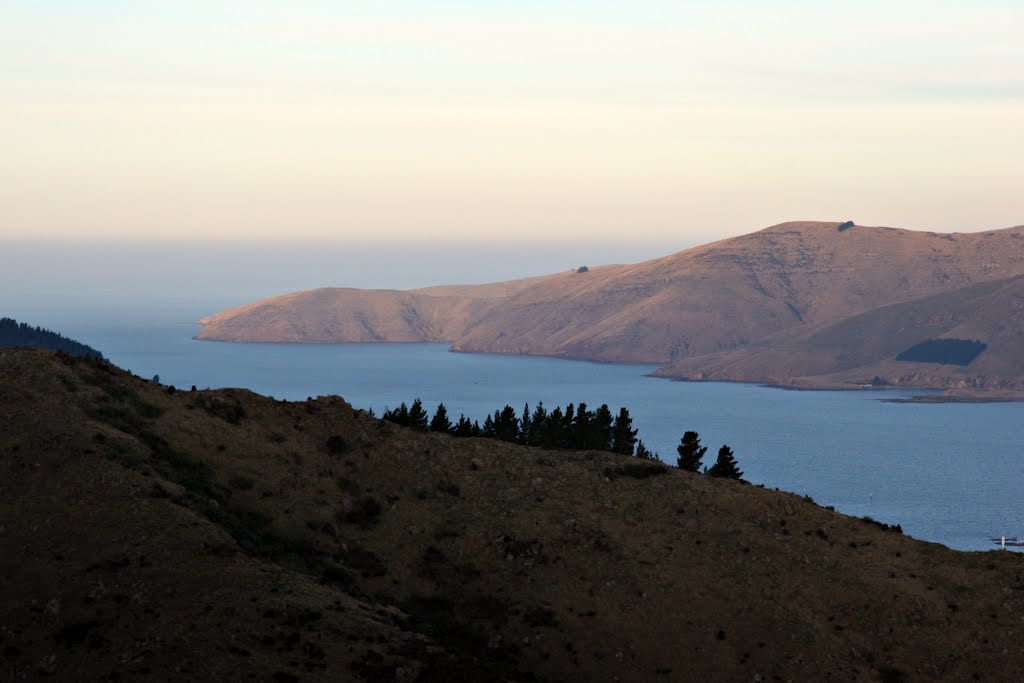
(939, 395)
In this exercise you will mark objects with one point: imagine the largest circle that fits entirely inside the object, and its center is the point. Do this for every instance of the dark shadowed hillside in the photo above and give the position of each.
(14, 334)
(222, 535)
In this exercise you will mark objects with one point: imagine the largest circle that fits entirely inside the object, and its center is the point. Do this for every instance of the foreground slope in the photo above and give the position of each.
(220, 534)
(683, 308)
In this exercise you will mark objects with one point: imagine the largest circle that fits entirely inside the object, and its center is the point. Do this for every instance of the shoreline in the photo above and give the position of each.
(936, 395)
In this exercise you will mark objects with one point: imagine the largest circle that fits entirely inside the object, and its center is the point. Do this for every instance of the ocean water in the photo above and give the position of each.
(948, 473)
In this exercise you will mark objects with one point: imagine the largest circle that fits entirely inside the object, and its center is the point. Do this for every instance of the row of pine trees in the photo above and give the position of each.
(574, 427)
(13, 334)
(691, 455)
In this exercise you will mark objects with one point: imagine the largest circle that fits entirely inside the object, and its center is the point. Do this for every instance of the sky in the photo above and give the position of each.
(658, 120)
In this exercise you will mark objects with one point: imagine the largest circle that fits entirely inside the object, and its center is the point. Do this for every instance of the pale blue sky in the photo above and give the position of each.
(179, 118)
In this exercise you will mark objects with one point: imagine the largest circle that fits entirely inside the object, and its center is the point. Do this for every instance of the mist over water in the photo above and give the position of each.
(947, 473)
(63, 283)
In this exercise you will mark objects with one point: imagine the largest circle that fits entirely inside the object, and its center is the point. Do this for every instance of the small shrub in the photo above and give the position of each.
(338, 575)
(445, 533)
(890, 674)
(348, 485)
(241, 483)
(336, 445)
(451, 488)
(363, 561)
(635, 470)
(432, 554)
(487, 608)
(364, 512)
(540, 616)
(882, 525)
(220, 549)
(231, 411)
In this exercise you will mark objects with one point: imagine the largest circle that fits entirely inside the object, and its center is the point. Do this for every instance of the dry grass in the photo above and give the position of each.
(216, 535)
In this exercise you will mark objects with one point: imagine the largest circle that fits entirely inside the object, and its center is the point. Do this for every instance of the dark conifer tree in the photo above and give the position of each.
(725, 466)
(623, 434)
(525, 426)
(601, 429)
(580, 434)
(418, 416)
(399, 415)
(538, 425)
(690, 452)
(643, 453)
(488, 429)
(554, 430)
(13, 333)
(506, 424)
(576, 427)
(566, 434)
(441, 423)
(463, 427)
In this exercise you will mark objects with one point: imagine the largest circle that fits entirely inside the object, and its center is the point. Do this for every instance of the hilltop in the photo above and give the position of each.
(223, 535)
(684, 311)
(14, 334)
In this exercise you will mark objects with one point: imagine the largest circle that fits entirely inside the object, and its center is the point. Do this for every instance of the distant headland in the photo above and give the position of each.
(801, 304)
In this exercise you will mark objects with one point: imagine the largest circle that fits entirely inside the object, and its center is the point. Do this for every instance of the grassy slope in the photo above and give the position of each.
(213, 535)
(858, 348)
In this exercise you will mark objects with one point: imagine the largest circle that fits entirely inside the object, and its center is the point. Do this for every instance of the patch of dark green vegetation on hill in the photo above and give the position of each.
(15, 334)
(944, 351)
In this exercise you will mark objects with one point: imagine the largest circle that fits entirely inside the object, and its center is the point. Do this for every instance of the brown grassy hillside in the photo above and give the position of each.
(863, 348)
(337, 314)
(728, 295)
(221, 535)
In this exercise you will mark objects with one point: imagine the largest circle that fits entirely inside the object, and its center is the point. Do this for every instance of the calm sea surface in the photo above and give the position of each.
(948, 473)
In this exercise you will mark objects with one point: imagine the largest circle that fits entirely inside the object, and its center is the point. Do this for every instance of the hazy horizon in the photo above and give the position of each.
(65, 284)
(652, 120)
